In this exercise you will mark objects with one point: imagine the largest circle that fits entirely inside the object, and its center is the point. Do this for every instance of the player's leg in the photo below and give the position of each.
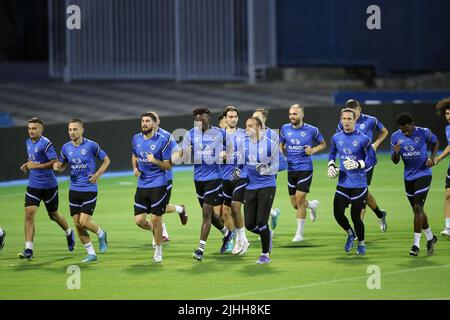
(158, 198)
(300, 198)
(32, 201)
(51, 200)
(358, 201)
(264, 203)
(87, 210)
(446, 232)
(84, 237)
(2, 238)
(420, 196)
(142, 206)
(340, 203)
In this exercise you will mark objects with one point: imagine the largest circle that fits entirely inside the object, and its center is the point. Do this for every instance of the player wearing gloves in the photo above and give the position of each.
(355, 153)
(260, 158)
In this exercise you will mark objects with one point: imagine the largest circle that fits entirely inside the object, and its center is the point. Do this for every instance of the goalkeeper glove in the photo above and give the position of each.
(351, 164)
(333, 172)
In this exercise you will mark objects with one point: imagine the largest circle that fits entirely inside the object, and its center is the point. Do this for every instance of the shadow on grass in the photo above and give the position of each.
(24, 265)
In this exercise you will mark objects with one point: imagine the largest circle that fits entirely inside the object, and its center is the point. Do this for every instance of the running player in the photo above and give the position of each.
(296, 142)
(80, 153)
(410, 143)
(42, 185)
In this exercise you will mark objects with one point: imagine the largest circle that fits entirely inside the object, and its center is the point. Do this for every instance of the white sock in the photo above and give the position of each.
(224, 231)
(164, 231)
(89, 248)
(447, 223)
(300, 226)
(100, 233)
(1, 232)
(428, 234)
(202, 245)
(178, 209)
(240, 234)
(272, 212)
(417, 239)
(29, 245)
(67, 232)
(361, 243)
(158, 250)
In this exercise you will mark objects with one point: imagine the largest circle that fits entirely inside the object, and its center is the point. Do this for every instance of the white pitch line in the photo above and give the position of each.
(322, 283)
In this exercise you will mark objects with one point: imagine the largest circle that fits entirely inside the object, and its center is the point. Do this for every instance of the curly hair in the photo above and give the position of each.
(443, 105)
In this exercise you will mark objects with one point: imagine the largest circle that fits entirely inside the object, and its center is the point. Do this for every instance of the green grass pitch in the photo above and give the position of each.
(317, 268)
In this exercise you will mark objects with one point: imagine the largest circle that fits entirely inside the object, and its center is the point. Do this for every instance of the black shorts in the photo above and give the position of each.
(353, 196)
(417, 190)
(299, 180)
(209, 192)
(257, 205)
(369, 175)
(233, 191)
(82, 202)
(50, 197)
(150, 200)
(169, 190)
(447, 179)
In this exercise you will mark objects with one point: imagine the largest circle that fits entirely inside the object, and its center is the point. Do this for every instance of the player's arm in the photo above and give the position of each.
(442, 155)
(105, 164)
(60, 166)
(310, 151)
(134, 163)
(283, 149)
(383, 134)
(163, 164)
(333, 170)
(30, 165)
(395, 151)
(431, 161)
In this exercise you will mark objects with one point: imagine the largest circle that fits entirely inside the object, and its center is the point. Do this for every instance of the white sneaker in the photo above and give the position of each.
(157, 258)
(314, 205)
(241, 247)
(446, 233)
(297, 238)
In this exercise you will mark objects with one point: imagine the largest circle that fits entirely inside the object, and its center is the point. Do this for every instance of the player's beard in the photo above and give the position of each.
(147, 131)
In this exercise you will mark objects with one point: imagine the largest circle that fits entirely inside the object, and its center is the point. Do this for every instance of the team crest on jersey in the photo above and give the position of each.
(410, 148)
(416, 139)
(362, 126)
(355, 143)
(347, 151)
(83, 151)
(303, 134)
(36, 149)
(152, 147)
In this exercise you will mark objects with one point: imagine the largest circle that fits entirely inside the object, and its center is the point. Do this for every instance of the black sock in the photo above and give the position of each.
(378, 212)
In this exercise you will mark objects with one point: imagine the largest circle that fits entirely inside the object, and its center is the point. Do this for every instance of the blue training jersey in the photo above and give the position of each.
(295, 141)
(365, 124)
(414, 151)
(272, 135)
(151, 176)
(173, 147)
(233, 147)
(356, 146)
(264, 151)
(206, 147)
(41, 151)
(82, 163)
